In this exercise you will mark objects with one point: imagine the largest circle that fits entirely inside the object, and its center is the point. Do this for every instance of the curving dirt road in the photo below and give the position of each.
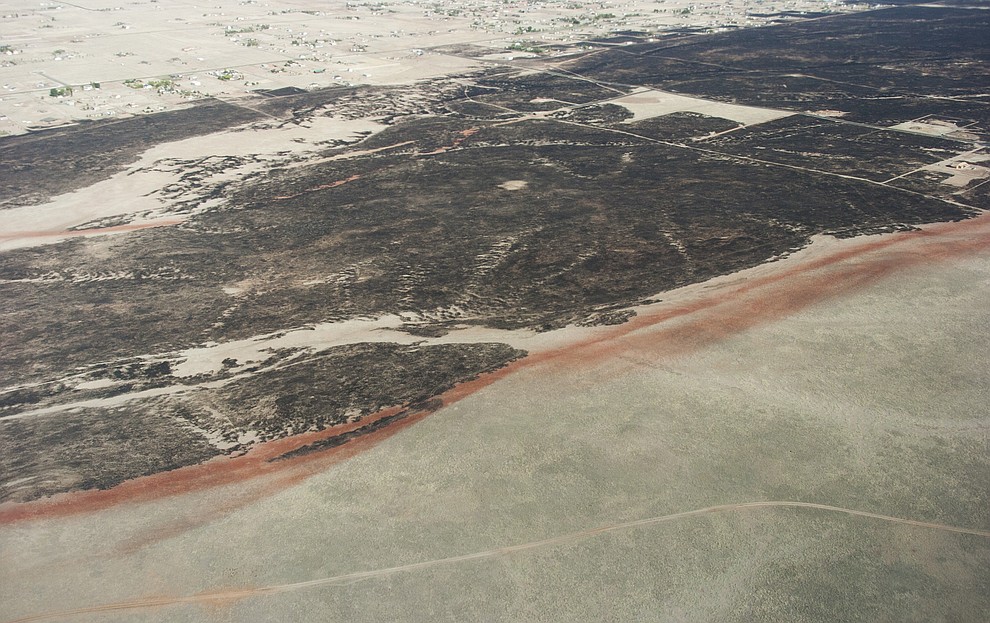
(228, 595)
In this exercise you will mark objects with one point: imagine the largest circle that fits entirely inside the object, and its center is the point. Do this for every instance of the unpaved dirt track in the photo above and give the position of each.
(224, 596)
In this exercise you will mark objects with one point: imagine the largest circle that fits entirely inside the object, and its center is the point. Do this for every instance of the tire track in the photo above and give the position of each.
(225, 596)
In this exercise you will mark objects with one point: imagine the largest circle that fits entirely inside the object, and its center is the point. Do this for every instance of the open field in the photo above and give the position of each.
(501, 311)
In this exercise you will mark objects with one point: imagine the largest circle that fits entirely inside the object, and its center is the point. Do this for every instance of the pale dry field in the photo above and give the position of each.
(649, 103)
(150, 56)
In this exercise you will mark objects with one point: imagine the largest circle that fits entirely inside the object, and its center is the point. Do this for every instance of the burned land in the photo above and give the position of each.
(878, 67)
(41, 165)
(101, 446)
(510, 198)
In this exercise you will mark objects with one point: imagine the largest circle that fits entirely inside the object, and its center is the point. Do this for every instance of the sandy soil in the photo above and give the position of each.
(936, 127)
(114, 56)
(963, 169)
(648, 103)
(137, 190)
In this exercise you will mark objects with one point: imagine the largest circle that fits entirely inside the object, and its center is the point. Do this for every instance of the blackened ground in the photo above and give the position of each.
(348, 382)
(884, 67)
(836, 147)
(603, 219)
(98, 447)
(93, 448)
(467, 209)
(47, 163)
